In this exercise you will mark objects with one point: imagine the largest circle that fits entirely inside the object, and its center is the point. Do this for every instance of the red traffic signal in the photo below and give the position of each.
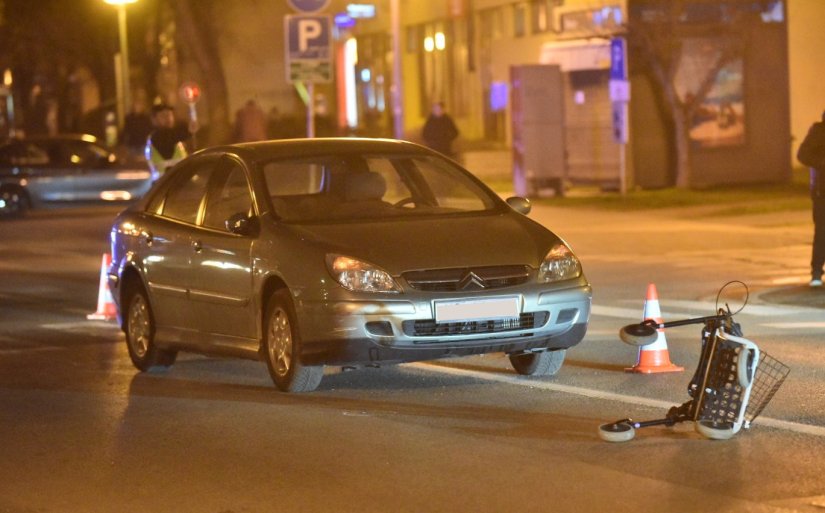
(190, 92)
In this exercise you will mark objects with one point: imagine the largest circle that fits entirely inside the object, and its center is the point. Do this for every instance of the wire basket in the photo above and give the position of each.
(722, 395)
(770, 374)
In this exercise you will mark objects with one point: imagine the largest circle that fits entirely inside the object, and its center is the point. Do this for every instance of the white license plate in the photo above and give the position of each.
(475, 310)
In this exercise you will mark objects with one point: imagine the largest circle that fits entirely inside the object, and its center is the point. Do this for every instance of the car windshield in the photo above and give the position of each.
(350, 187)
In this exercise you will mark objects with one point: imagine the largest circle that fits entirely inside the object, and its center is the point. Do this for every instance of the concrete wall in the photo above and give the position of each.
(806, 38)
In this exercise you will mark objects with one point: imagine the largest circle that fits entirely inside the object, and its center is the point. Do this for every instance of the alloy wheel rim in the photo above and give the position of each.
(139, 327)
(280, 342)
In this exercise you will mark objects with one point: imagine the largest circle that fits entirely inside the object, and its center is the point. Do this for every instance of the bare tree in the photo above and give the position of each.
(195, 25)
(659, 36)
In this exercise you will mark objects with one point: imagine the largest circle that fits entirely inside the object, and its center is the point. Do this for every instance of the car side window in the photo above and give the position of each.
(228, 196)
(23, 154)
(81, 153)
(183, 201)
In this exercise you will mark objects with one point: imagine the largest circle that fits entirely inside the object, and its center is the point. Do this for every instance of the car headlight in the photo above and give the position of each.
(359, 276)
(559, 264)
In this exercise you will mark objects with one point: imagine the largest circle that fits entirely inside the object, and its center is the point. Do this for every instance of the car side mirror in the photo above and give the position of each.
(519, 204)
(242, 224)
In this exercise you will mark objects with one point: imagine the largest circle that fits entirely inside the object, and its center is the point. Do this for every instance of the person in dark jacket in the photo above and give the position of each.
(440, 131)
(165, 145)
(812, 154)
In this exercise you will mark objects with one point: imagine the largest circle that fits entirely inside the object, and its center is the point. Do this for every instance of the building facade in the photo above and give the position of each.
(466, 53)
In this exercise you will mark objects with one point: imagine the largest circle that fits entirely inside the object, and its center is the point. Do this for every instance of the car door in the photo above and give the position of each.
(221, 288)
(94, 171)
(166, 247)
(56, 179)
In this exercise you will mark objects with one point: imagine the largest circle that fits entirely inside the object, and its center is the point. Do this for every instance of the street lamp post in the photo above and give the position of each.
(124, 89)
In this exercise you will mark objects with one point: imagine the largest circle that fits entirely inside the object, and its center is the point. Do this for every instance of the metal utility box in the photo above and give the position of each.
(537, 100)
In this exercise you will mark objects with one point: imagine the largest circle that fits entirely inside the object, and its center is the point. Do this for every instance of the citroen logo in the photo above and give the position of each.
(471, 280)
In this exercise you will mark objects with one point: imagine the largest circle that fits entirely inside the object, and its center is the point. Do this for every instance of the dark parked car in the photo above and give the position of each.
(41, 170)
(350, 252)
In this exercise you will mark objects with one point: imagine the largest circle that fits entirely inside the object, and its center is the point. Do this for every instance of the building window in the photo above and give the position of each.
(605, 19)
(520, 16)
(539, 16)
(491, 21)
(443, 54)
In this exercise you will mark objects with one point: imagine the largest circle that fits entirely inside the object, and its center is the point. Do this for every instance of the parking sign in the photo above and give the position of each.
(308, 48)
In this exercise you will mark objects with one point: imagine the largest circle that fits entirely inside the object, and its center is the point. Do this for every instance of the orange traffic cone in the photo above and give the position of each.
(106, 309)
(654, 357)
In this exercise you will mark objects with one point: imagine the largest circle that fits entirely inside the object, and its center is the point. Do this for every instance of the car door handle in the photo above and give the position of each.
(197, 246)
(147, 238)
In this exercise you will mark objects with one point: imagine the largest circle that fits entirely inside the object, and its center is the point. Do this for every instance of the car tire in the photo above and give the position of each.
(545, 363)
(139, 325)
(14, 201)
(282, 348)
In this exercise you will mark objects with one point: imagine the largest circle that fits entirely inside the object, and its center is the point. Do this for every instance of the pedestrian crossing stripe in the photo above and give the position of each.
(794, 325)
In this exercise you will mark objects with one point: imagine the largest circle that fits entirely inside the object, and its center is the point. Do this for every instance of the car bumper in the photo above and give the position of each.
(395, 330)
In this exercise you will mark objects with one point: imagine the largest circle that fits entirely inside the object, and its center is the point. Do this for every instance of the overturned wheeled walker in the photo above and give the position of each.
(733, 382)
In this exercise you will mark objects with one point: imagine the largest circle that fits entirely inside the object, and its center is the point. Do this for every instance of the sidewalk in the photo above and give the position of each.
(495, 165)
(796, 295)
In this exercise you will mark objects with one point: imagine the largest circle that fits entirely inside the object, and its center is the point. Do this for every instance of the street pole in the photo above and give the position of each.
(124, 101)
(124, 52)
(311, 110)
(397, 76)
(8, 82)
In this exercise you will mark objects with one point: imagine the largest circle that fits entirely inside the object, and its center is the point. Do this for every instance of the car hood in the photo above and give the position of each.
(459, 241)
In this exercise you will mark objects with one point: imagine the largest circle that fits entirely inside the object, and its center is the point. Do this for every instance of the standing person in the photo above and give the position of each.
(439, 130)
(250, 123)
(812, 154)
(165, 145)
(137, 125)
(36, 119)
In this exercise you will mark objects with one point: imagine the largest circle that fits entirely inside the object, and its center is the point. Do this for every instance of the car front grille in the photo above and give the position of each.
(430, 328)
(467, 278)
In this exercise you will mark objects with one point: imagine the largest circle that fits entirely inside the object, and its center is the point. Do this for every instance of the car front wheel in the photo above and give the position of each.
(140, 335)
(545, 363)
(13, 202)
(282, 348)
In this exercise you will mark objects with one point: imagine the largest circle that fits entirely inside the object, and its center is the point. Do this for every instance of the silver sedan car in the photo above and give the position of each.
(344, 252)
(38, 171)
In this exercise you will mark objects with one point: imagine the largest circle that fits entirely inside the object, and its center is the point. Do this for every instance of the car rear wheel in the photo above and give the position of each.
(545, 363)
(140, 335)
(13, 202)
(283, 345)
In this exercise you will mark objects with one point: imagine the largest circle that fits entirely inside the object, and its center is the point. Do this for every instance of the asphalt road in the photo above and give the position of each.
(82, 431)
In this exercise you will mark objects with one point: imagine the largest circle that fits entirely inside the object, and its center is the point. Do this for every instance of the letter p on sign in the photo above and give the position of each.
(308, 30)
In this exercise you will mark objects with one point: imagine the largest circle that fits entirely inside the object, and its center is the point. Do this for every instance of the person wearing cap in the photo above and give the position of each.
(165, 145)
(812, 154)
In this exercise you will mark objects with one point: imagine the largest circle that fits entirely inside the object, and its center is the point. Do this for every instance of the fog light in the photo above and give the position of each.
(379, 328)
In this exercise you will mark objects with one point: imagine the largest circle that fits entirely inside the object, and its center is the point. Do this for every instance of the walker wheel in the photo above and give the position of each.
(745, 367)
(617, 432)
(640, 334)
(715, 430)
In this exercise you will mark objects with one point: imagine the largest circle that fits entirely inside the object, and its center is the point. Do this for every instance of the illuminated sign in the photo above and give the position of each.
(361, 10)
(344, 20)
